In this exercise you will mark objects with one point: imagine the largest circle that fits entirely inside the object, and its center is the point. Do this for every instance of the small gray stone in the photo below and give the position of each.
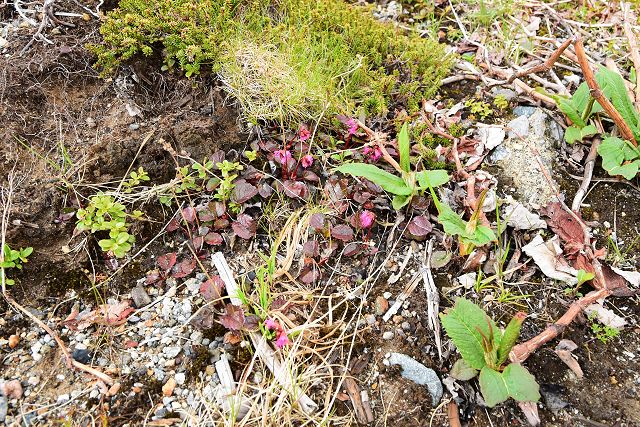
(419, 374)
(387, 335)
(140, 297)
(180, 378)
(518, 127)
(171, 351)
(524, 110)
(63, 398)
(4, 407)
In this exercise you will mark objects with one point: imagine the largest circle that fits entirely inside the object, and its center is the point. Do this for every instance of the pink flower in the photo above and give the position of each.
(367, 218)
(373, 153)
(353, 126)
(307, 161)
(271, 324)
(282, 340)
(304, 134)
(282, 156)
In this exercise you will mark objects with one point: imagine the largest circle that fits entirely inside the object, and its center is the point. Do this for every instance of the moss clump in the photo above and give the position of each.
(281, 59)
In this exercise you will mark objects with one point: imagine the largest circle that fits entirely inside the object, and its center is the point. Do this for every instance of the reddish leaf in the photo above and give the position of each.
(221, 223)
(213, 239)
(244, 227)
(243, 191)
(167, 261)
(189, 214)
(173, 225)
(295, 189)
(362, 196)
(309, 274)
(211, 290)
(218, 208)
(212, 184)
(265, 190)
(342, 232)
(217, 157)
(197, 242)
(419, 227)
(335, 191)
(310, 176)
(184, 268)
(206, 215)
(232, 338)
(351, 249)
(311, 248)
(153, 276)
(316, 221)
(251, 322)
(203, 319)
(233, 318)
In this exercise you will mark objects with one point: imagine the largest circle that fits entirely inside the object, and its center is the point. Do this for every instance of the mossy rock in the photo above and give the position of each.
(282, 60)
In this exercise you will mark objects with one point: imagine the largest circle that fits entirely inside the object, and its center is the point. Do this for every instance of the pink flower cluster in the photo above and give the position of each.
(374, 153)
(281, 335)
(282, 156)
(304, 133)
(366, 219)
(353, 126)
(307, 161)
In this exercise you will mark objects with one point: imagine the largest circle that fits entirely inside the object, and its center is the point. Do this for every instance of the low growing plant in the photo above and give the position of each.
(103, 213)
(408, 184)
(619, 157)
(12, 259)
(485, 349)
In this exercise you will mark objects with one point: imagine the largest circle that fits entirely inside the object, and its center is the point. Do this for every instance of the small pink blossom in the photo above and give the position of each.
(282, 156)
(307, 161)
(353, 126)
(304, 133)
(282, 340)
(271, 324)
(373, 153)
(367, 218)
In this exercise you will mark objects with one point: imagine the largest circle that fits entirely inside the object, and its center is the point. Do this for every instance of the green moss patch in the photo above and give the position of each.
(284, 60)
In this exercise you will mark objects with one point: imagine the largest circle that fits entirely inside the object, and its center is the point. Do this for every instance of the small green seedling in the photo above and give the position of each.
(135, 178)
(470, 233)
(485, 349)
(103, 213)
(404, 187)
(12, 259)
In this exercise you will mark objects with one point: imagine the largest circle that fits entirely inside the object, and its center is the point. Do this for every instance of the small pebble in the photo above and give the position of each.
(168, 387)
(387, 335)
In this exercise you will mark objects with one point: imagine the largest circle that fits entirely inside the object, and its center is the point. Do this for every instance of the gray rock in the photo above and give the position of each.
(180, 378)
(4, 407)
(532, 141)
(171, 351)
(387, 335)
(419, 374)
(140, 297)
(524, 110)
(552, 395)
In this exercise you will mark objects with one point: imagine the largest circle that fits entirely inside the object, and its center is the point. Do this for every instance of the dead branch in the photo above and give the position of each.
(545, 66)
(589, 165)
(633, 50)
(521, 352)
(597, 94)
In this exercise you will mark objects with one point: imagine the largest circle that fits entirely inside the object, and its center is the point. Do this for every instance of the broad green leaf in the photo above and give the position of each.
(404, 148)
(432, 178)
(522, 386)
(584, 276)
(493, 388)
(509, 337)
(574, 133)
(388, 182)
(570, 110)
(482, 236)
(614, 152)
(398, 202)
(452, 223)
(611, 150)
(628, 170)
(462, 371)
(465, 324)
(614, 89)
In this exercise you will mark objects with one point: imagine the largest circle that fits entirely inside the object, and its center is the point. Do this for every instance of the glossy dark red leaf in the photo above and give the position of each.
(244, 226)
(311, 248)
(213, 239)
(184, 268)
(221, 223)
(295, 189)
(211, 290)
(351, 249)
(197, 242)
(265, 190)
(419, 226)
(309, 274)
(243, 191)
(167, 261)
(233, 317)
(316, 221)
(173, 225)
(206, 215)
(310, 176)
(342, 232)
(189, 214)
